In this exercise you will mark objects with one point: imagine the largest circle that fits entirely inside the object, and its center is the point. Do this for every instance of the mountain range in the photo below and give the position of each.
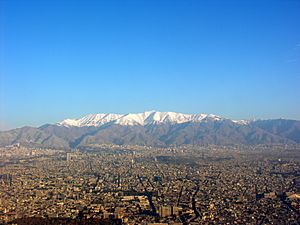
(154, 128)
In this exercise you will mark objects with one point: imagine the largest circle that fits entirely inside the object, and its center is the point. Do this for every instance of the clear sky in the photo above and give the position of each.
(65, 59)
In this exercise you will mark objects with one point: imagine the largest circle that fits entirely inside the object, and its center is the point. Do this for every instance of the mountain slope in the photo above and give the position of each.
(285, 128)
(30, 136)
(155, 129)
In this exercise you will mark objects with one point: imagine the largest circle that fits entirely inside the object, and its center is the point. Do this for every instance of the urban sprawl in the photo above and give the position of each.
(109, 184)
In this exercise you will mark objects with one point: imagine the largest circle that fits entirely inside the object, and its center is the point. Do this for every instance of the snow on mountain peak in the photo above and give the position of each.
(145, 118)
(91, 120)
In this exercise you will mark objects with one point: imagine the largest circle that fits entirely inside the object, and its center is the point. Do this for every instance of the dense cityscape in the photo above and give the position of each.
(110, 184)
(149, 112)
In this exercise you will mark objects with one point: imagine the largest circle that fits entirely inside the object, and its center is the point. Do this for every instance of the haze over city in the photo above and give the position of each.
(63, 59)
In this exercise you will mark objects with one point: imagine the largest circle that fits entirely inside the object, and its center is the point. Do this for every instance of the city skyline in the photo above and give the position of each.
(239, 60)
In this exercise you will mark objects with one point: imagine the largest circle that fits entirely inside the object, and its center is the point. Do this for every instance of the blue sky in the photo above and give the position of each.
(65, 59)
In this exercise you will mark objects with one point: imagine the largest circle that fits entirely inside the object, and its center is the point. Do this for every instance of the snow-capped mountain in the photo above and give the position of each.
(91, 120)
(145, 118)
(153, 128)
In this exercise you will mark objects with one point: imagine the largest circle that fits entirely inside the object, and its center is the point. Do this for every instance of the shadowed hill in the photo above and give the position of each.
(219, 132)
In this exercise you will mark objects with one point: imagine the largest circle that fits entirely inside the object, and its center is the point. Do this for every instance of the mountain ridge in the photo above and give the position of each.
(144, 118)
(154, 128)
